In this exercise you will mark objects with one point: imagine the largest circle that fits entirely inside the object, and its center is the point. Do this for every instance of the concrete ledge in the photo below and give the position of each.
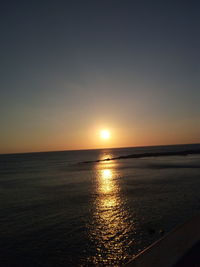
(172, 248)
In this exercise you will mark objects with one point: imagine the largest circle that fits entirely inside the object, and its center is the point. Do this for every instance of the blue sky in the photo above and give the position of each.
(69, 68)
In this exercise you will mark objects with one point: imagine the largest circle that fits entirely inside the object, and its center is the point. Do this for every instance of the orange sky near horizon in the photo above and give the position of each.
(63, 139)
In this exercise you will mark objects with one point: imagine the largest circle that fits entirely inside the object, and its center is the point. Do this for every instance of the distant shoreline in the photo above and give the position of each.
(93, 149)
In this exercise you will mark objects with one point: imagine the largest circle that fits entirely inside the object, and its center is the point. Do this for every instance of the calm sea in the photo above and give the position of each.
(56, 211)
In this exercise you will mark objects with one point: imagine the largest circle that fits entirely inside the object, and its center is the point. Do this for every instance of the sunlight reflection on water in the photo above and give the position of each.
(111, 223)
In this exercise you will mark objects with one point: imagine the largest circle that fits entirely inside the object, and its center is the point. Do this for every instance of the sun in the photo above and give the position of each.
(105, 134)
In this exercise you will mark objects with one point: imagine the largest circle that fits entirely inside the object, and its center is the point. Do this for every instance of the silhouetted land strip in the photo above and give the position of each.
(150, 154)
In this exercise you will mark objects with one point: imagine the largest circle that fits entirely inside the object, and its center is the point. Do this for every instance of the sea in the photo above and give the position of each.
(69, 208)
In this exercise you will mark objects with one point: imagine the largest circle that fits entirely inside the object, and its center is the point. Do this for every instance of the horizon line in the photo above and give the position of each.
(86, 149)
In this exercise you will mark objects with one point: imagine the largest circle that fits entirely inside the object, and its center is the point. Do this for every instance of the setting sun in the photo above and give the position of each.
(105, 134)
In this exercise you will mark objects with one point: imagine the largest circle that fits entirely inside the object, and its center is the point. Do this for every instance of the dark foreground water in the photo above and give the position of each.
(56, 211)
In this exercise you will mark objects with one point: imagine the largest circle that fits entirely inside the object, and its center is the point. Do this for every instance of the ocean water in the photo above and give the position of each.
(57, 211)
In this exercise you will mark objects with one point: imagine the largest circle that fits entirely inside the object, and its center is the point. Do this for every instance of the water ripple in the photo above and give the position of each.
(110, 226)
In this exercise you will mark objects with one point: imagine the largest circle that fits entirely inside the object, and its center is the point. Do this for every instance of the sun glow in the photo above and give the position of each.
(105, 134)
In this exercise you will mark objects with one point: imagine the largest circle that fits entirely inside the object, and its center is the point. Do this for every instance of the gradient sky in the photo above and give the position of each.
(72, 68)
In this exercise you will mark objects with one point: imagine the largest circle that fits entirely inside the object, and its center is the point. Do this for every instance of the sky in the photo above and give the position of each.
(72, 68)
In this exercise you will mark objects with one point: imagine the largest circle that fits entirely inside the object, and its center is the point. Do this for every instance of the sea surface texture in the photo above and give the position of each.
(56, 210)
